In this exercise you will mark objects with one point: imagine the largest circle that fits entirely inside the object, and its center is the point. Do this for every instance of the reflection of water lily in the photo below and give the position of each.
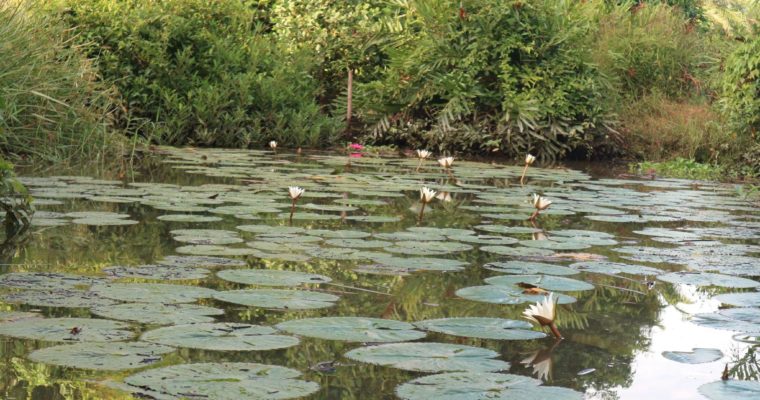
(543, 313)
(426, 196)
(542, 368)
(355, 155)
(294, 192)
(446, 162)
(529, 160)
(541, 203)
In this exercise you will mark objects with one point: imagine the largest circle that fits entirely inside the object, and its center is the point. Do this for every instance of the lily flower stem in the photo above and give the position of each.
(419, 165)
(555, 331)
(533, 216)
(292, 210)
(422, 211)
(522, 177)
(451, 175)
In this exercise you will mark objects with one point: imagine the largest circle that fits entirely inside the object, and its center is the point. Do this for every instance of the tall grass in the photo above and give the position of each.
(51, 104)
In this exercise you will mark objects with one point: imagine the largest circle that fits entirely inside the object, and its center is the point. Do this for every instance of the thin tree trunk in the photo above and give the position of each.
(350, 99)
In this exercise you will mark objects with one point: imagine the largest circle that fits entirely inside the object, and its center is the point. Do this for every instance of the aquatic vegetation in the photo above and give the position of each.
(529, 160)
(543, 314)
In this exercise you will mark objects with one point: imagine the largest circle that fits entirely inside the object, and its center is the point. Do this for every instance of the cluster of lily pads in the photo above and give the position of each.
(349, 214)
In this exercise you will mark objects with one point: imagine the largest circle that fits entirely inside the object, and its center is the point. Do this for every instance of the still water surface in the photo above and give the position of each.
(396, 268)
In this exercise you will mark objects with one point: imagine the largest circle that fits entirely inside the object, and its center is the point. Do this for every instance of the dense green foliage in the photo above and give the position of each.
(651, 79)
(51, 104)
(199, 72)
(16, 205)
(514, 78)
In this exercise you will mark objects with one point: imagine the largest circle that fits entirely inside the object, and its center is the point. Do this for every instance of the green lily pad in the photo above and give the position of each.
(741, 319)
(428, 248)
(102, 356)
(485, 239)
(358, 243)
(278, 298)
(731, 390)
(62, 330)
(222, 381)
(353, 329)
(12, 316)
(152, 292)
(157, 272)
(520, 251)
(202, 261)
(213, 250)
(420, 263)
(506, 295)
(548, 282)
(555, 245)
(695, 356)
(271, 277)
(430, 357)
(482, 328)
(338, 234)
(507, 230)
(47, 280)
(529, 268)
(188, 218)
(104, 221)
(748, 299)
(478, 386)
(58, 298)
(707, 279)
(223, 336)
(158, 314)
(612, 268)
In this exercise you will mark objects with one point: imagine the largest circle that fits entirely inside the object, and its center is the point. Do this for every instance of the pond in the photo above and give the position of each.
(191, 281)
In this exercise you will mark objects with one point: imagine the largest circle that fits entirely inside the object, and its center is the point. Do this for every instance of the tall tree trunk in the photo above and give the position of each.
(350, 99)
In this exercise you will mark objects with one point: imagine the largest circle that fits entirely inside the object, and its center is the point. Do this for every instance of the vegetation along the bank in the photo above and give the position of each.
(651, 81)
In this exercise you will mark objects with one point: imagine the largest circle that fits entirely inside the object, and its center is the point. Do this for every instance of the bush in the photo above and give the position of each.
(512, 76)
(51, 105)
(200, 72)
(740, 100)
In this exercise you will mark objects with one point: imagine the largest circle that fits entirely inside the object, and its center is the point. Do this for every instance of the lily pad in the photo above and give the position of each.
(58, 298)
(708, 279)
(158, 314)
(152, 292)
(271, 277)
(477, 386)
(548, 282)
(188, 218)
(47, 280)
(63, 330)
(278, 298)
(220, 336)
(202, 261)
(748, 299)
(506, 295)
(612, 268)
(482, 328)
(731, 390)
(430, 357)
(156, 272)
(222, 381)
(353, 329)
(102, 356)
(529, 268)
(695, 356)
(213, 250)
(519, 251)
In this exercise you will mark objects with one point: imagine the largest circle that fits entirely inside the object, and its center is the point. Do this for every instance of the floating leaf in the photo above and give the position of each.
(58, 298)
(506, 295)
(62, 330)
(220, 336)
(353, 329)
(158, 314)
(47, 280)
(477, 386)
(278, 298)
(707, 279)
(696, 356)
(213, 250)
(152, 292)
(222, 381)
(271, 277)
(102, 356)
(613, 268)
(548, 282)
(529, 268)
(731, 390)
(748, 299)
(482, 328)
(157, 272)
(430, 357)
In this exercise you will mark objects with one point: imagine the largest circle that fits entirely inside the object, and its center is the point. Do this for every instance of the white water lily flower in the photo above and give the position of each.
(295, 192)
(446, 162)
(541, 368)
(530, 159)
(423, 154)
(273, 144)
(426, 194)
(540, 202)
(541, 313)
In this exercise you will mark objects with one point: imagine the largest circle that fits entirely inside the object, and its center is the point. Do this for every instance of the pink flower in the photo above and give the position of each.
(355, 146)
(355, 155)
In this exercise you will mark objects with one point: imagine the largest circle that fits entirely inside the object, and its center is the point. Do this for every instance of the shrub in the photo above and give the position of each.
(51, 105)
(200, 72)
(512, 76)
(740, 101)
